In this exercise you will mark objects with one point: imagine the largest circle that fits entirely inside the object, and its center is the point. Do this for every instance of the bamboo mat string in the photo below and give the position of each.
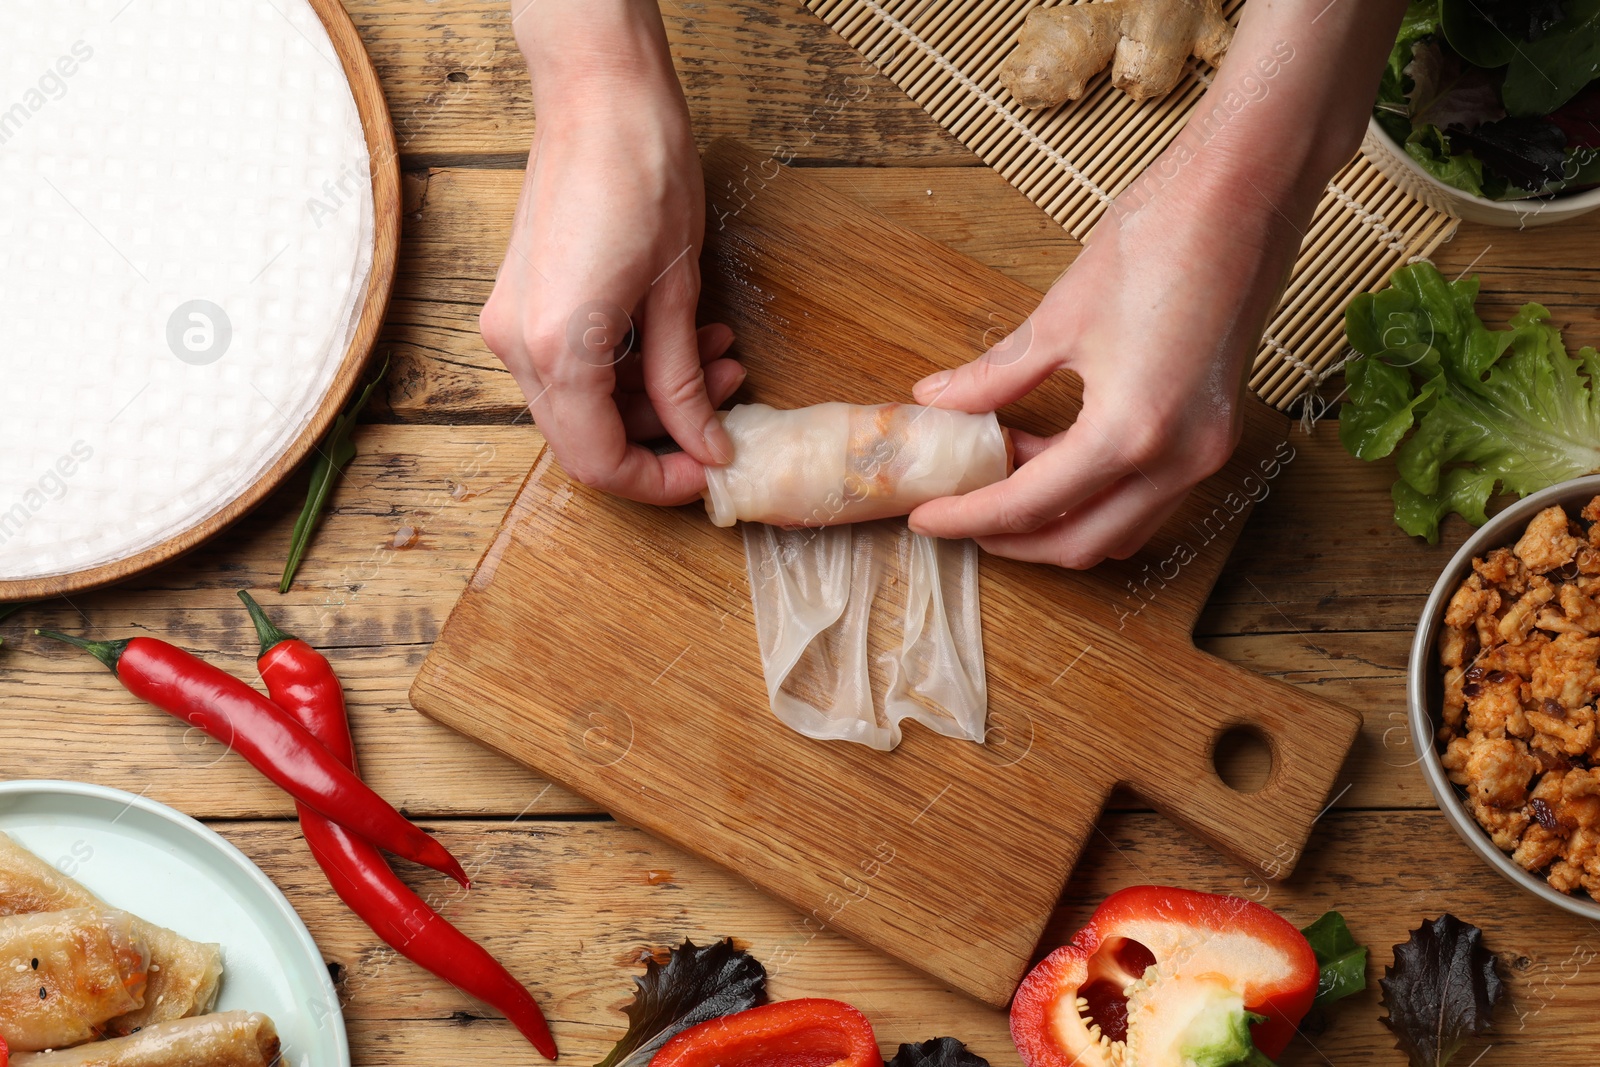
(1074, 160)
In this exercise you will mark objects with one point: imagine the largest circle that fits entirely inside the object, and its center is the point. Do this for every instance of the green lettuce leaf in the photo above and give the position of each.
(1464, 410)
(1475, 38)
(1546, 72)
(1462, 490)
(1430, 147)
(1342, 960)
(1421, 20)
(1382, 408)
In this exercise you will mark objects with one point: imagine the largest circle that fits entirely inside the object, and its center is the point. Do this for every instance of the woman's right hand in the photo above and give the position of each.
(606, 239)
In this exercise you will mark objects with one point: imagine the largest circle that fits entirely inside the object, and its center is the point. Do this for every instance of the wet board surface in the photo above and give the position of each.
(611, 646)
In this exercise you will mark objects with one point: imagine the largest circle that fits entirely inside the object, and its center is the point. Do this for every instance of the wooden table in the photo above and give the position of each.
(1323, 591)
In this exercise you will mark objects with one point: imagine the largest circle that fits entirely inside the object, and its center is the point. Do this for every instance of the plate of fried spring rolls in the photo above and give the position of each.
(133, 936)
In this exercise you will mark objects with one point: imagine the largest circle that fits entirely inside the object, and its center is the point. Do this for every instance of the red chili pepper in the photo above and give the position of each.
(1164, 976)
(791, 1033)
(231, 711)
(301, 681)
(5, 1053)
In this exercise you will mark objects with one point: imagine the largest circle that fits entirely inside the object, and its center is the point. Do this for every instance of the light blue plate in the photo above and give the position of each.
(165, 867)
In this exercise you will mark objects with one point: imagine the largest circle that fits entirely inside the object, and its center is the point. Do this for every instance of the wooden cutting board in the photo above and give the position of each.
(611, 646)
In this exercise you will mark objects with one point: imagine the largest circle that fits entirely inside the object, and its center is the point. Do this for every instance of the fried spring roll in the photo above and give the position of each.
(836, 463)
(184, 974)
(228, 1039)
(65, 974)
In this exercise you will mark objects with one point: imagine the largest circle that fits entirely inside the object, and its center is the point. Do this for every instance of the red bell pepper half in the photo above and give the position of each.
(810, 1032)
(1164, 977)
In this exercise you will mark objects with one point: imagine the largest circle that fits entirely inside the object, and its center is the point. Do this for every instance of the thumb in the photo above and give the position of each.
(1000, 376)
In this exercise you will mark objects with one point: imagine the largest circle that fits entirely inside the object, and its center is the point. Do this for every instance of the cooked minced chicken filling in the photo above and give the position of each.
(1521, 658)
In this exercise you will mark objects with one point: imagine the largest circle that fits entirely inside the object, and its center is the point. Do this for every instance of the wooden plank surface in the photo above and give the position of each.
(440, 491)
(457, 221)
(765, 71)
(572, 908)
(1322, 592)
(803, 274)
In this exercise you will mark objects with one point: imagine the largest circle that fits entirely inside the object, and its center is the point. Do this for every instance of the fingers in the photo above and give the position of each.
(1133, 540)
(723, 378)
(672, 375)
(713, 341)
(1025, 446)
(1114, 525)
(581, 421)
(998, 377)
(1072, 468)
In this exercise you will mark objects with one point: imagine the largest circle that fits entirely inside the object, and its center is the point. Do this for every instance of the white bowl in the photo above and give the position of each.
(1391, 159)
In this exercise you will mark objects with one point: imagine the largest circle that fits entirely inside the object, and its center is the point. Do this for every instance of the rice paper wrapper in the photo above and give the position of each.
(185, 258)
(64, 974)
(863, 626)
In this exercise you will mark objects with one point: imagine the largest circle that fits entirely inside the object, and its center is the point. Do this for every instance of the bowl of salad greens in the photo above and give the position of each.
(1490, 109)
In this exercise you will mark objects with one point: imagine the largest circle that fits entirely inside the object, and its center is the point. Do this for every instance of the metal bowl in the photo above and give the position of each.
(1425, 684)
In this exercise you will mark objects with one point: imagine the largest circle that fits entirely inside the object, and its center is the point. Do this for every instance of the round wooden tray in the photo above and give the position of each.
(385, 157)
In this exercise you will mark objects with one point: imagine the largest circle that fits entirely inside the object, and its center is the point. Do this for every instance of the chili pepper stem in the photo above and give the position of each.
(107, 652)
(269, 634)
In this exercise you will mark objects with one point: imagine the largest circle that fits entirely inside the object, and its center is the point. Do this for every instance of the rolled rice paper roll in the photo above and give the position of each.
(184, 974)
(64, 974)
(836, 463)
(228, 1039)
(184, 978)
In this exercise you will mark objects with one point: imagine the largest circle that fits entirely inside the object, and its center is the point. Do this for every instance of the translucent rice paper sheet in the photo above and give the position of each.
(183, 258)
(862, 626)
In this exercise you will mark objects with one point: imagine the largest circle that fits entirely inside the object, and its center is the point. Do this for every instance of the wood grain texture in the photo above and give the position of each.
(441, 491)
(406, 526)
(572, 909)
(458, 220)
(385, 175)
(639, 685)
(1321, 592)
(765, 71)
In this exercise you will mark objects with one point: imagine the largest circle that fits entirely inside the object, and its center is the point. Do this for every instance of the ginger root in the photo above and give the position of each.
(1061, 48)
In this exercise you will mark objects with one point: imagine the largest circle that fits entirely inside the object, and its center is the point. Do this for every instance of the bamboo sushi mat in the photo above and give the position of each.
(1073, 160)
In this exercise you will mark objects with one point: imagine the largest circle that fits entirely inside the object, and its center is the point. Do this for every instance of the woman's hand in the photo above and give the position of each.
(1165, 308)
(1160, 317)
(606, 240)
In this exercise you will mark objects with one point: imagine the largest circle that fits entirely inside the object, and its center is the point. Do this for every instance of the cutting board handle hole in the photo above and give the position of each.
(1243, 759)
